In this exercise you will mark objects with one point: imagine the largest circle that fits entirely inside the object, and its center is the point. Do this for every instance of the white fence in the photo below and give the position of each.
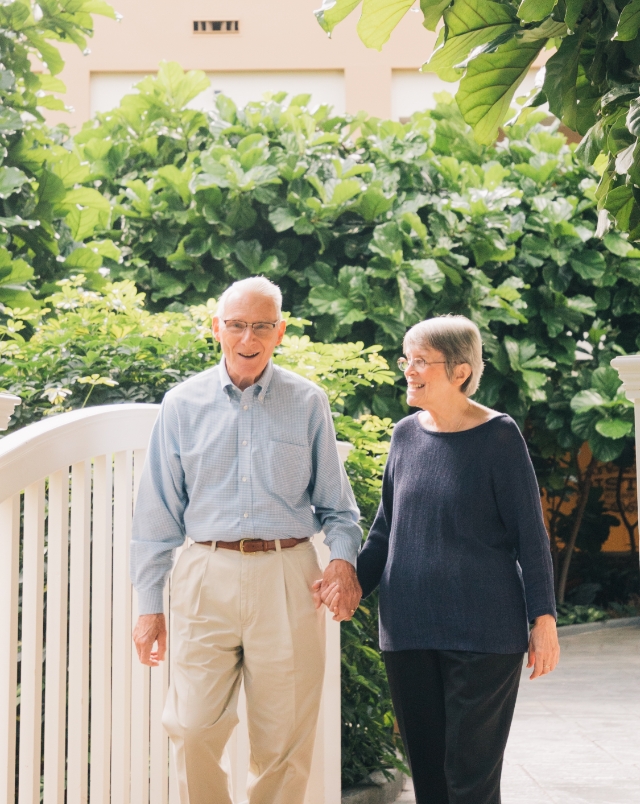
(89, 713)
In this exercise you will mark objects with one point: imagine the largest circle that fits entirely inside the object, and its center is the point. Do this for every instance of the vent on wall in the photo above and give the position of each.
(216, 26)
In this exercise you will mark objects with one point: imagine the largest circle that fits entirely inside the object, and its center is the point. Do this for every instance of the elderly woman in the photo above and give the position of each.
(461, 555)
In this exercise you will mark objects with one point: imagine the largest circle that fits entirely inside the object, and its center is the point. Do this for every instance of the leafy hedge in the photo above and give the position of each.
(370, 226)
(95, 348)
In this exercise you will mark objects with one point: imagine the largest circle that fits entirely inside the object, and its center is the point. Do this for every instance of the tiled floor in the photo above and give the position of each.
(576, 734)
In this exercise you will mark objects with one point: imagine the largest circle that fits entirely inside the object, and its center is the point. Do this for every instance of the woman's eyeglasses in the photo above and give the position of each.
(418, 363)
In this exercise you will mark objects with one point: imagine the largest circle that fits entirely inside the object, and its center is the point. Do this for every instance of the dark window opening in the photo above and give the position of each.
(216, 26)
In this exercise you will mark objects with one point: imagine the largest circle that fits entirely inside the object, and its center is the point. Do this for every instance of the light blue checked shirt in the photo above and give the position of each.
(225, 464)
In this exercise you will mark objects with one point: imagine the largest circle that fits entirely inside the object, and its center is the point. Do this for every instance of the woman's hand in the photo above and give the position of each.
(544, 648)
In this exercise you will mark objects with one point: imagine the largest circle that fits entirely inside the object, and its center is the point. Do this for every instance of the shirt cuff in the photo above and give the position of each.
(341, 548)
(151, 601)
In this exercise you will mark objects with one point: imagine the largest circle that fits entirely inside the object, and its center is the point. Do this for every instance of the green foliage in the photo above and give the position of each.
(368, 738)
(367, 237)
(572, 614)
(591, 82)
(96, 348)
(44, 212)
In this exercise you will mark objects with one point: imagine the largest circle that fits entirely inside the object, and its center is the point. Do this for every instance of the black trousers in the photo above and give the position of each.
(454, 710)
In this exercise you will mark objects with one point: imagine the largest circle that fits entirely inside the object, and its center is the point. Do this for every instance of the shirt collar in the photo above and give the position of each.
(263, 383)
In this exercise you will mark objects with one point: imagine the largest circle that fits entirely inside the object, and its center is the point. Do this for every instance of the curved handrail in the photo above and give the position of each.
(36, 451)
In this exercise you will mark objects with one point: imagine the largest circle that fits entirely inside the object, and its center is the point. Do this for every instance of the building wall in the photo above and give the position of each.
(279, 46)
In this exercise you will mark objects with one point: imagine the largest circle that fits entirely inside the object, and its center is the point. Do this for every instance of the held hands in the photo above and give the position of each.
(338, 589)
(150, 628)
(544, 649)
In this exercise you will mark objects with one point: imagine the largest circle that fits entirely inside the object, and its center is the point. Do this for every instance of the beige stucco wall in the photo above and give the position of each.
(281, 36)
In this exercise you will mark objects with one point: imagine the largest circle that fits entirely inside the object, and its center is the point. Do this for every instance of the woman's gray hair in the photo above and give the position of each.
(259, 285)
(457, 338)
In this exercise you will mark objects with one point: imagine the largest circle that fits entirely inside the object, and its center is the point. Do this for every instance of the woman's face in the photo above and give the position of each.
(428, 382)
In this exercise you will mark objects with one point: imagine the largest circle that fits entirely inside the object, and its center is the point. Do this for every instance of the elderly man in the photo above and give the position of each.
(243, 461)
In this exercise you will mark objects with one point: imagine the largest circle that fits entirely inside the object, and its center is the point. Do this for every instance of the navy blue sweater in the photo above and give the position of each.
(458, 546)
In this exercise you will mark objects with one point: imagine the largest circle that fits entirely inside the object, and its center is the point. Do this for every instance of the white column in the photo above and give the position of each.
(628, 367)
(8, 404)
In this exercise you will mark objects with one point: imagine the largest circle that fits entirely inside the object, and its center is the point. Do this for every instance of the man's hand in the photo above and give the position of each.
(150, 628)
(544, 648)
(338, 589)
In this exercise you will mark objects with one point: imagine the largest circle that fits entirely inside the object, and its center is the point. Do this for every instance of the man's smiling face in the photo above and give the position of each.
(246, 354)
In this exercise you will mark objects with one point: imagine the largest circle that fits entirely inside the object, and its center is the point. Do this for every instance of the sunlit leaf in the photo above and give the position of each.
(629, 22)
(379, 18)
(488, 87)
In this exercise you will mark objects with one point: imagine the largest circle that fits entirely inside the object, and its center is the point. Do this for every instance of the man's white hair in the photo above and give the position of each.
(259, 285)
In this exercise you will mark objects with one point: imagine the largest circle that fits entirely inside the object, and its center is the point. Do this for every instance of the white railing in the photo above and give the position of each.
(628, 367)
(67, 490)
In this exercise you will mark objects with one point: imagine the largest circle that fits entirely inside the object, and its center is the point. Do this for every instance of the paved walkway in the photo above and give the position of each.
(576, 733)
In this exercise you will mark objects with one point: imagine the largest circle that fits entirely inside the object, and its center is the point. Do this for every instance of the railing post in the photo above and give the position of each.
(325, 783)
(8, 403)
(628, 367)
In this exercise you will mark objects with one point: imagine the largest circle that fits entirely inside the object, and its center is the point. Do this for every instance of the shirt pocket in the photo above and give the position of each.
(287, 470)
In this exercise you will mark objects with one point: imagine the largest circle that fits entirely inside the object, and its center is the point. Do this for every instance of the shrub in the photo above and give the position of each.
(46, 212)
(368, 233)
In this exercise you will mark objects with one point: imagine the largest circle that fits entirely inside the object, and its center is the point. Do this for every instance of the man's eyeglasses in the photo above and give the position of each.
(260, 328)
(418, 363)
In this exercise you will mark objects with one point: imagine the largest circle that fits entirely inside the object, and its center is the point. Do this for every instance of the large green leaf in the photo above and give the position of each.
(469, 23)
(86, 209)
(535, 10)
(432, 11)
(614, 428)
(50, 54)
(605, 449)
(589, 264)
(560, 79)
(11, 180)
(574, 9)
(606, 381)
(491, 80)
(622, 204)
(98, 7)
(373, 203)
(585, 400)
(181, 87)
(629, 22)
(379, 18)
(334, 11)
(10, 120)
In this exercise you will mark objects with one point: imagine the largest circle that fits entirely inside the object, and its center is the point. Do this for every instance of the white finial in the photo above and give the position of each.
(8, 404)
(628, 367)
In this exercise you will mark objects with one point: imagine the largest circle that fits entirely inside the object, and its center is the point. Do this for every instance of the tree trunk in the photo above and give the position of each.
(553, 519)
(628, 525)
(585, 488)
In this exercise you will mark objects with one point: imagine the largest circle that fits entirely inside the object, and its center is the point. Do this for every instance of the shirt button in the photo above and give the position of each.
(246, 407)
(244, 479)
(246, 515)
(244, 443)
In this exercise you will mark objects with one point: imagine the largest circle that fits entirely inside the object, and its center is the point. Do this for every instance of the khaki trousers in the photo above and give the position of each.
(245, 616)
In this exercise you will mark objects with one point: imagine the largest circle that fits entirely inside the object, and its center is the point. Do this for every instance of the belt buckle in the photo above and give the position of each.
(242, 550)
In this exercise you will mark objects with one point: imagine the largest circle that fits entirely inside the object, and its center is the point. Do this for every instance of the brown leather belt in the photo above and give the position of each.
(248, 546)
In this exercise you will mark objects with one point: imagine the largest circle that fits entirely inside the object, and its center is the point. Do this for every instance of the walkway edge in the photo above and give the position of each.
(376, 790)
(585, 628)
